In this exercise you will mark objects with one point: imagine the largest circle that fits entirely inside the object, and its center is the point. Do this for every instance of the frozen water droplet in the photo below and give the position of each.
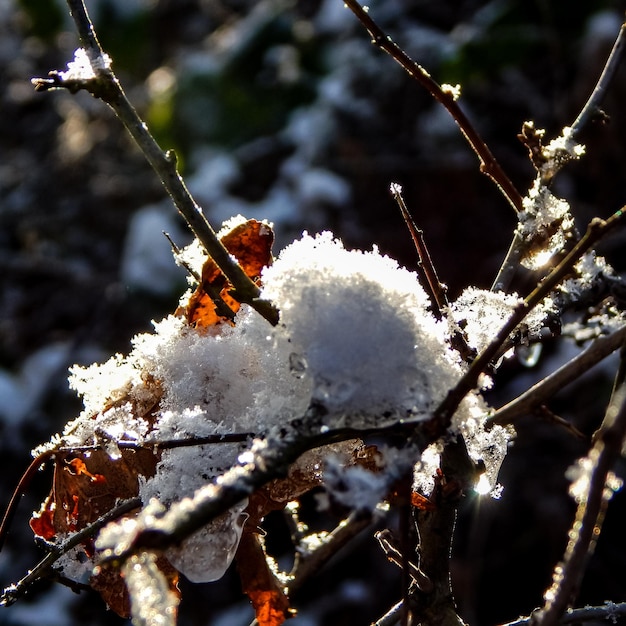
(529, 356)
(297, 365)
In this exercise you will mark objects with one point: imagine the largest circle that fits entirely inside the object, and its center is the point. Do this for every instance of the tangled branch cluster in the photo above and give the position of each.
(323, 368)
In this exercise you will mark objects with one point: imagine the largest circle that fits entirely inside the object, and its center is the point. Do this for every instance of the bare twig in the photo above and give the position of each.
(105, 86)
(12, 593)
(20, 490)
(309, 564)
(488, 163)
(592, 106)
(393, 553)
(270, 461)
(607, 448)
(548, 386)
(609, 612)
(436, 287)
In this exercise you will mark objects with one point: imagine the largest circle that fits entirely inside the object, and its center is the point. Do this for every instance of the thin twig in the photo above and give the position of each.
(106, 86)
(311, 563)
(392, 616)
(20, 490)
(592, 106)
(526, 402)
(436, 287)
(488, 163)
(14, 592)
(589, 111)
(605, 452)
(271, 461)
(589, 614)
(393, 553)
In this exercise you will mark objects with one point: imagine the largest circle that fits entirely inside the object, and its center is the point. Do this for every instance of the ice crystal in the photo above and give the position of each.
(85, 66)
(559, 151)
(546, 223)
(152, 602)
(481, 313)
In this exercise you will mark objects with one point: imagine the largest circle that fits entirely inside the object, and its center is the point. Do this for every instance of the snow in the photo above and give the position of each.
(544, 217)
(356, 340)
(478, 312)
(85, 66)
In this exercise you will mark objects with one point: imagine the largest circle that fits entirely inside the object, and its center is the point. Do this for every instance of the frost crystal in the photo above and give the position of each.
(589, 270)
(85, 66)
(546, 222)
(481, 314)
(559, 151)
(152, 602)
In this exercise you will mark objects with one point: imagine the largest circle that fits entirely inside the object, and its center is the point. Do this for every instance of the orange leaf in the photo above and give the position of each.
(85, 487)
(271, 604)
(251, 244)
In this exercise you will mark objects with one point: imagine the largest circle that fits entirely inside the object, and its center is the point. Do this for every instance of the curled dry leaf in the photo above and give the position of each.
(251, 244)
(85, 487)
(260, 584)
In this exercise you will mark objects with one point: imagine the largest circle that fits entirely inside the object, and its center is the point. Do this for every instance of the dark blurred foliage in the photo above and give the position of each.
(71, 180)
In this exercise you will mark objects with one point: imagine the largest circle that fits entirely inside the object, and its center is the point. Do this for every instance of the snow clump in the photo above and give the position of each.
(356, 340)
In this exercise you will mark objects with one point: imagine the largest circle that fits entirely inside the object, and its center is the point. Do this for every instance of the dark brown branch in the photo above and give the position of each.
(488, 163)
(550, 385)
(270, 462)
(436, 529)
(436, 287)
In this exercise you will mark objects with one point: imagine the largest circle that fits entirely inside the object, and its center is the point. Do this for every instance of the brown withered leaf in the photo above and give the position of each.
(85, 487)
(259, 583)
(251, 244)
(88, 485)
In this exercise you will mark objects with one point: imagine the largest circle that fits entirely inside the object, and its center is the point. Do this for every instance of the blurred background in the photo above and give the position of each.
(283, 110)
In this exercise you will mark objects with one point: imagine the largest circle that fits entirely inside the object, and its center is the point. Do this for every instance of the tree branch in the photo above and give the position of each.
(488, 163)
(105, 86)
(550, 385)
(607, 449)
(592, 106)
(597, 229)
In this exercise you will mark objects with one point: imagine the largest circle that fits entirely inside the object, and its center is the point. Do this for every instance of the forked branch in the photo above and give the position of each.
(105, 86)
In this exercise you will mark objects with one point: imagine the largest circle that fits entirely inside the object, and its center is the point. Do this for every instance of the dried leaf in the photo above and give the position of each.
(87, 485)
(251, 244)
(260, 584)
